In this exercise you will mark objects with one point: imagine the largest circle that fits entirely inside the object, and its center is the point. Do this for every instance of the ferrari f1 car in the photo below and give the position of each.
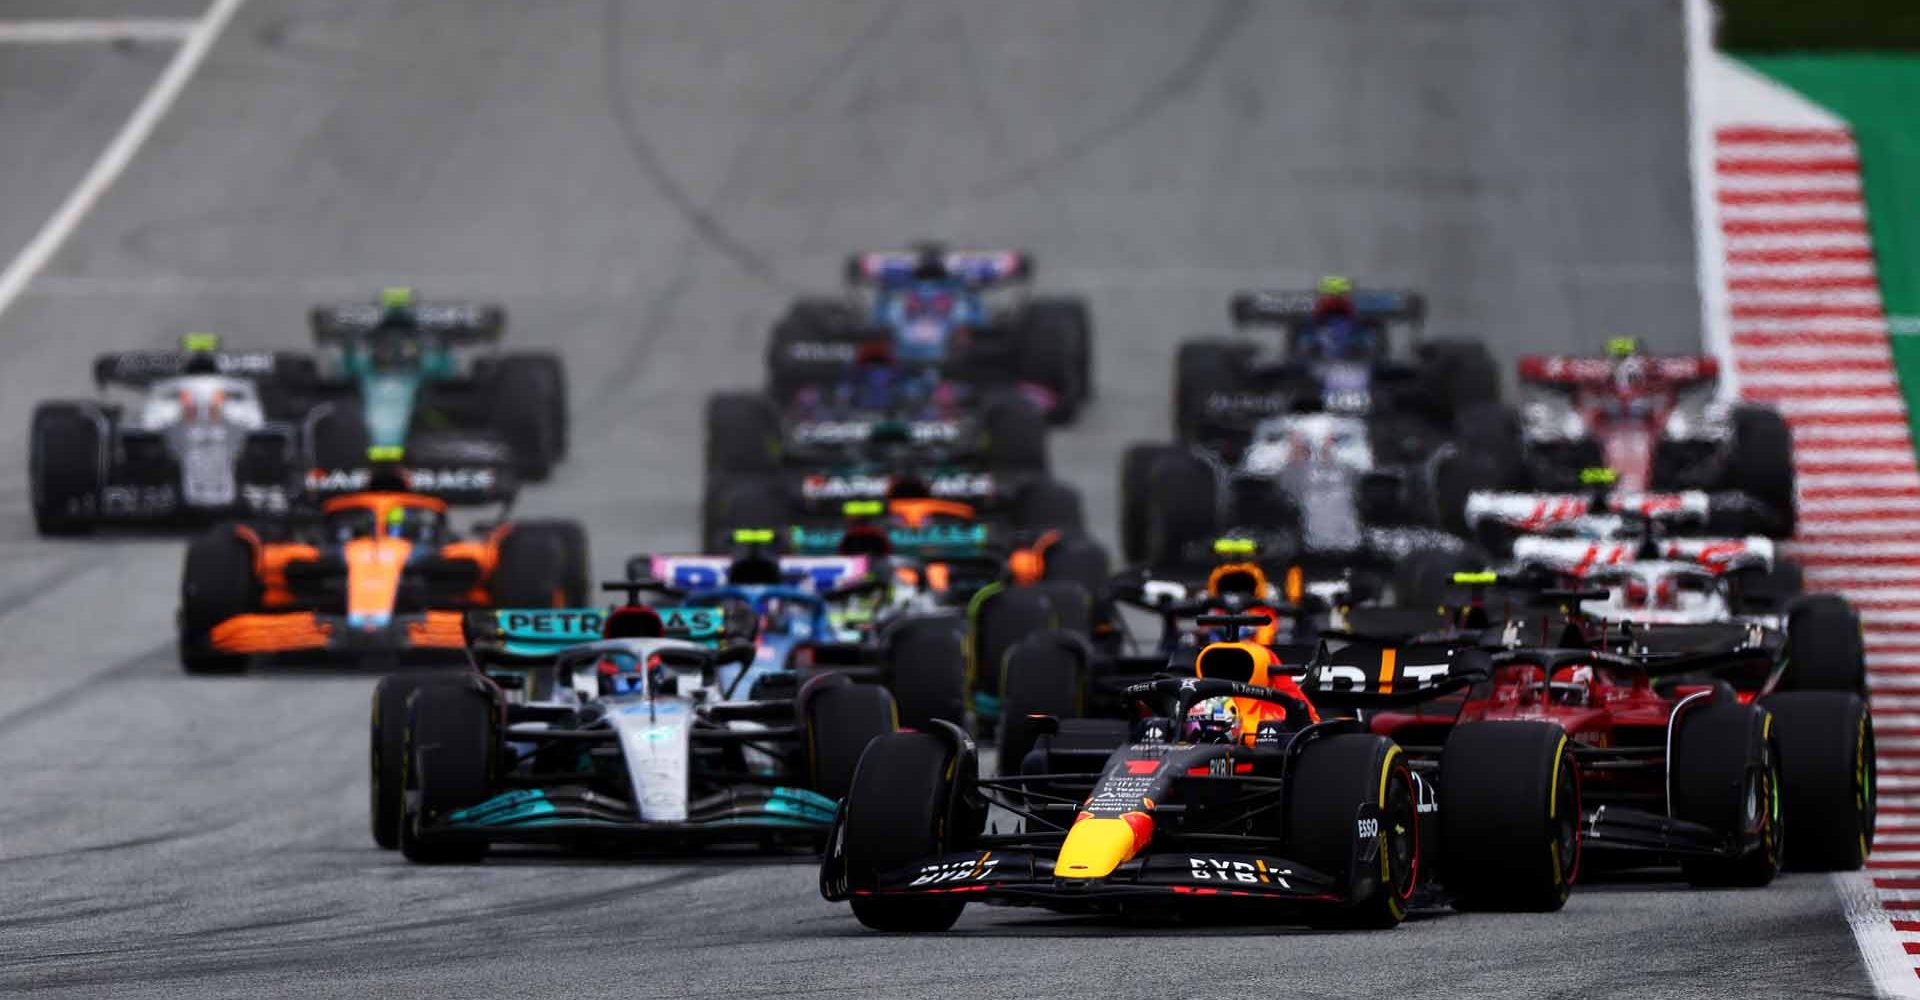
(404, 374)
(214, 434)
(932, 304)
(883, 431)
(649, 735)
(377, 575)
(1655, 420)
(1227, 794)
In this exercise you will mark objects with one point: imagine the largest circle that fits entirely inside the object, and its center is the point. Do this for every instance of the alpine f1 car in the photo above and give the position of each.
(377, 575)
(1328, 442)
(1656, 421)
(648, 736)
(405, 374)
(1227, 793)
(883, 431)
(932, 304)
(214, 434)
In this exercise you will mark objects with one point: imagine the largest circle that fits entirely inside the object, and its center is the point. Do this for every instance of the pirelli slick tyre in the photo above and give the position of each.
(217, 583)
(999, 617)
(1509, 803)
(1047, 504)
(897, 814)
(336, 435)
(1016, 435)
(813, 343)
(1079, 559)
(1828, 798)
(532, 569)
(1043, 674)
(449, 744)
(927, 667)
(1183, 503)
(1460, 373)
(386, 755)
(1054, 352)
(1761, 464)
(1331, 781)
(64, 465)
(1825, 649)
(1200, 369)
(522, 411)
(1137, 466)
(743, 435)
(1723, 773)
(747, 503)
(576, 561)
(841, 720)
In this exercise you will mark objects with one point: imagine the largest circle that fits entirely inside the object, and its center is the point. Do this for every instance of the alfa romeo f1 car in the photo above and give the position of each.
(1655, 420)
(883, 431)
(650, 735)
(1227, 793)
(375, 577)
(214, 434)
(405, 374)
(931, 304)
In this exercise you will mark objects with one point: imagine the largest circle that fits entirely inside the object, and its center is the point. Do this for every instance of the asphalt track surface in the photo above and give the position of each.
(644, 186)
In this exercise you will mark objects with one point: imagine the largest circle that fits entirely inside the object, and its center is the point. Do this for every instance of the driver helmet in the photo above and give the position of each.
(396, 306)
(200, 349)
(1337, 333)
(1213, 720)
(930, 263)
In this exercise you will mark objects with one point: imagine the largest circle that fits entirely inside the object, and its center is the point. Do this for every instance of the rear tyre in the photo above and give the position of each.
(1332, 779)
(1423, 580)
(743, 435)
(841, 720)
(1183, 504)
(1201, 369)
(217, 583)
(1461, 374)
(1001, 618)
(1827, 778)
(753, 503)
(1485, 456)
(1081, 560)
(927, 662)
(1509, 816)
(448, 745)
(1761, 465)
(1016, 435)
(1042, 675)
(522, 406)
(337, 435)
(1723, 775)
(387, 755)
(1825, 650)
(1136, 476)
(1048, 503)
(64, 466)
(576, 561)
(897, 814)
(532, 568)
(1055, 353)
(812, 344)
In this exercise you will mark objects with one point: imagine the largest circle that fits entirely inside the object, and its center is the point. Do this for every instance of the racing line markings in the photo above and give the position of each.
(177, 29)
(114, 159)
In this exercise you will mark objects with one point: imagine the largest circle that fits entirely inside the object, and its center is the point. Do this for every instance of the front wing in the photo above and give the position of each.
(563, 815)
(1026, 878)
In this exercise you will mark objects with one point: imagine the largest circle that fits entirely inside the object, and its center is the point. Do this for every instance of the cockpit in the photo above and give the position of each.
(418, 519)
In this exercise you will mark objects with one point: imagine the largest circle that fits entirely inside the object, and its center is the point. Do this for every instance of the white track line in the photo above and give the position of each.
(114, 159)
(177, 29)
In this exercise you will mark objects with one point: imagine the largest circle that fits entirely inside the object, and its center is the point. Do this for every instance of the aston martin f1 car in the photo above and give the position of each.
(1656, 420)
(423, 376)
(932, 305)
(215, 433)
(1227, 794)
(1708, 745)
(883, 431)
(648, 736)
(377, 575)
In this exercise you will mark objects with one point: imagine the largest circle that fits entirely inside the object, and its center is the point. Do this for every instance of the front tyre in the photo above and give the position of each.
(1509, 816)
(897, 814)
(448, 745)
(1334, 780)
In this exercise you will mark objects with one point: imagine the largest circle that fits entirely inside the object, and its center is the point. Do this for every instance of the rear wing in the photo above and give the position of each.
(1284, 308)
(142, 368)
(1653, 372)
(1572, 555)
(817, 574)
(455, 322)
(460, 485)
(522, 635)
(1547, 511)
(926, 541)
(1368, 674)
(980, 268)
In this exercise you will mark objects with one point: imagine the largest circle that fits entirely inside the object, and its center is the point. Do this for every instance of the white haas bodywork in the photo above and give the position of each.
(204, 420)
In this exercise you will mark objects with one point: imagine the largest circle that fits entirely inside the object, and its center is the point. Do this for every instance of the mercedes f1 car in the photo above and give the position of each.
(651, 735)
(377, 575)
(1228, 793)
(931, 303)
(405, 374)
(215, 434)
(1656, 421)
(884, 431)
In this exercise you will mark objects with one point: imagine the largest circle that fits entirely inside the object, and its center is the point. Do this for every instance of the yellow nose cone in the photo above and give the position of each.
(1094, 848)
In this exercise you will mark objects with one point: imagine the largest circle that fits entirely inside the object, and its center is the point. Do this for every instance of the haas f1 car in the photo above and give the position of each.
(423, 376)
(1227, 793)
(376, 577)
(214, 434)
(932, 305)
(660, 730)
